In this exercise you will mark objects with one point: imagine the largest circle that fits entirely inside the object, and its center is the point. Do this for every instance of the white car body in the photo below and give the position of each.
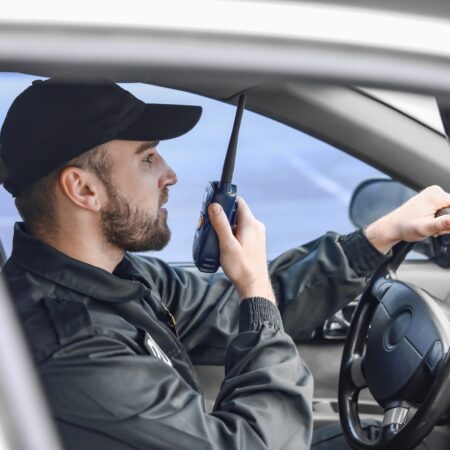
(321, 67)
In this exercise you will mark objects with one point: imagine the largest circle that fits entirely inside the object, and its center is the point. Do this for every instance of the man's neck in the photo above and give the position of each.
(95, 252)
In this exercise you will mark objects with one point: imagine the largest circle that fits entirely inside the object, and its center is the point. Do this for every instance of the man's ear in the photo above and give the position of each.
(81, 187)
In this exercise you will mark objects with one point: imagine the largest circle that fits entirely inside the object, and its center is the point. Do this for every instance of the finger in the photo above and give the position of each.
(442, 212)
(439, 198)
(442, 225)
(444, 203)
(244, 214)
(220, 224)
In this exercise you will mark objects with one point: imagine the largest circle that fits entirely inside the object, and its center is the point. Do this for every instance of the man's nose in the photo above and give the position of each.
(169, 176)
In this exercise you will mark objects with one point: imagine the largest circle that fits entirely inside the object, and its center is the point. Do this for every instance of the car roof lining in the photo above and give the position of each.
(215, 59)
(437, 8)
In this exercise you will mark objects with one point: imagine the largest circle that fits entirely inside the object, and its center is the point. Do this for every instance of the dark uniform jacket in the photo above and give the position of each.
(115, 350)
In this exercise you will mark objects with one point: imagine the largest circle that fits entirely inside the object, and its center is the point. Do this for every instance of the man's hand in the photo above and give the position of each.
(243, 254)
(413, 221)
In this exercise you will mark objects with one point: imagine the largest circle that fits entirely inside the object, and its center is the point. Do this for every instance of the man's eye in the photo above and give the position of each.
(148, 159)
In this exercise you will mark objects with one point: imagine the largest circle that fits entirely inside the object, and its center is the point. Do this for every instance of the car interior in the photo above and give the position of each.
(362, 125)
(356, 116)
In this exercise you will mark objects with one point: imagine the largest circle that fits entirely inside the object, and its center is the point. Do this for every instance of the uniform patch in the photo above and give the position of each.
(155, 350)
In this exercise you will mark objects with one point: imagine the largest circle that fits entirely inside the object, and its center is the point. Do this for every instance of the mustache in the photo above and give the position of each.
(164, 197)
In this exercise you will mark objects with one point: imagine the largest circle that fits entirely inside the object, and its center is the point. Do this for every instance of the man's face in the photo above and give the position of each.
(137, 188)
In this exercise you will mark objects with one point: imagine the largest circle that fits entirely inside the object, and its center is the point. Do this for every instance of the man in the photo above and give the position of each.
(113, 334)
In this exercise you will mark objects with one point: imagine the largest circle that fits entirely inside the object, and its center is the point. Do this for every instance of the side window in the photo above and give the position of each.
(297, 185)
(11, 85)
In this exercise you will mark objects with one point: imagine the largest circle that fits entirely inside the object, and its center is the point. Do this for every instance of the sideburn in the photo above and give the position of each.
(128, 228)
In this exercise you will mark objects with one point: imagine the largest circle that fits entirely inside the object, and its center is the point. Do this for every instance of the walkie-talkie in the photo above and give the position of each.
(206, 244)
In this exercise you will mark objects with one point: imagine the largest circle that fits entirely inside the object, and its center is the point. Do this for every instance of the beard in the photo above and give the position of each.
(132, 229)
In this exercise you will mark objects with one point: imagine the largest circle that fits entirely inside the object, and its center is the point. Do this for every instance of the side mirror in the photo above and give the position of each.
(377, 197)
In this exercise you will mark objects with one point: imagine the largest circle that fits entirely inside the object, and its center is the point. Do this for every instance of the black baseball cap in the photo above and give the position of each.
(55, 120)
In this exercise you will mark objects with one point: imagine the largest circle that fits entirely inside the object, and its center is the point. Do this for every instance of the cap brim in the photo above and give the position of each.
(159, 122)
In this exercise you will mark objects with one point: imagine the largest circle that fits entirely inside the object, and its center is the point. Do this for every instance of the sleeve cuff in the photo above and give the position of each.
(363, 257)
(256, 312)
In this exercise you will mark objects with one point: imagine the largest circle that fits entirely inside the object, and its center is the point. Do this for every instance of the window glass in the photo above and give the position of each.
(11, 85)
(297, 185)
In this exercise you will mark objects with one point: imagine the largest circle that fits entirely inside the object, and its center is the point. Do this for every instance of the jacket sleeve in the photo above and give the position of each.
(311, 283)
(109, 394)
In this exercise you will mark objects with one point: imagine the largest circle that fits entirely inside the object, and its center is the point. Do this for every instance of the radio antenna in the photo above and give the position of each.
(228, 165)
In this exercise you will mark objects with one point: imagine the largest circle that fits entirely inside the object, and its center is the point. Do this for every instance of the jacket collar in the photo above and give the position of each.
(39, 258)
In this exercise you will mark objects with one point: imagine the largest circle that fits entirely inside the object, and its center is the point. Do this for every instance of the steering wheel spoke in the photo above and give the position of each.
(357, 374)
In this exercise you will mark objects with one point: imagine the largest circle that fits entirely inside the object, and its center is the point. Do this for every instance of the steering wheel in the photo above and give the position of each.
(397, 346)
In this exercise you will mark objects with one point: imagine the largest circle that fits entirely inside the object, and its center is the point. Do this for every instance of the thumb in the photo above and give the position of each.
(220, 224)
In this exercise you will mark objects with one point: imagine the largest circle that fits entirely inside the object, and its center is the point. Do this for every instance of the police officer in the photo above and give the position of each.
(114, 335)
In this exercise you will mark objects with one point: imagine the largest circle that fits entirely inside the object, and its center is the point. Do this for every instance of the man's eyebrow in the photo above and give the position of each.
(146, 145)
